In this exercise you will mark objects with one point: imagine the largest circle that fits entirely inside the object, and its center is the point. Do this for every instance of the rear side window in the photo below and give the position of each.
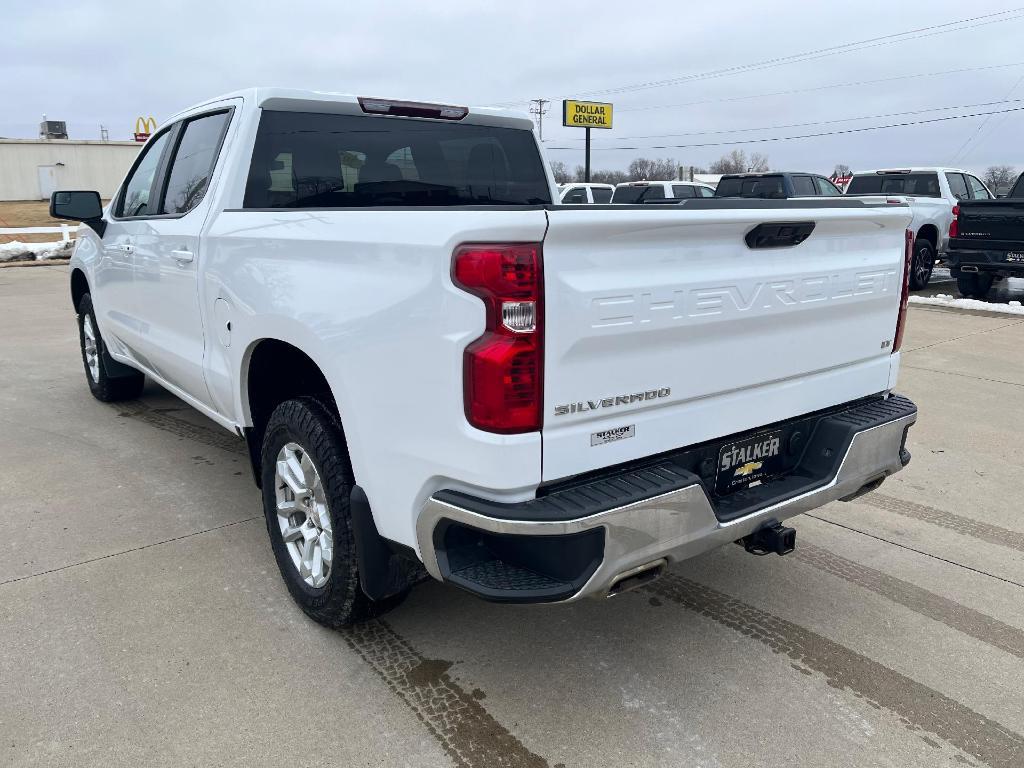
(1018, 188)
(761, 187)
(601, 194)
(803, 186)
(193, 162)
(917, 184)
(978, 191)
(682, 190)
(957, 186)
(312, 160)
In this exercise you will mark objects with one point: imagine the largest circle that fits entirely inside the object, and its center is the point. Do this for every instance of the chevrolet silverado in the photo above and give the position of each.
(437, 369)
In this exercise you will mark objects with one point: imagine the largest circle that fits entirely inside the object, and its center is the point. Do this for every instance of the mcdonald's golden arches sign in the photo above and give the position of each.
(144, 127)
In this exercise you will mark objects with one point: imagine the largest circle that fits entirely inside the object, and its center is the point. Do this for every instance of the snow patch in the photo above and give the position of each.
(18, 251)
(945, 300)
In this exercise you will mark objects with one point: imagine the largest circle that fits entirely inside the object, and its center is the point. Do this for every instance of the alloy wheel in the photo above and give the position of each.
(303, 514)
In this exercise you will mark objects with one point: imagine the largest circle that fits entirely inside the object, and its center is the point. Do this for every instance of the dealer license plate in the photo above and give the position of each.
(748, 462)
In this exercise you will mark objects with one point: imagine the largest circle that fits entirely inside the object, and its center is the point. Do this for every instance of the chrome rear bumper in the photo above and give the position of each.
(680, 524)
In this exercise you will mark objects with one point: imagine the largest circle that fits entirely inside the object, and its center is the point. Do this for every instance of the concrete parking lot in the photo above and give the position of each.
(143, 621)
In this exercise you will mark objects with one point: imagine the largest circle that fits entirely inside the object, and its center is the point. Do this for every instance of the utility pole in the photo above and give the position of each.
(586, 167)
(537, 108)
(104, 134)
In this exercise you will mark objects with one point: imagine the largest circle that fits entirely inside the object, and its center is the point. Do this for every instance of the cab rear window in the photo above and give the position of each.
(761, 187)
(312, 160)
(917, 184)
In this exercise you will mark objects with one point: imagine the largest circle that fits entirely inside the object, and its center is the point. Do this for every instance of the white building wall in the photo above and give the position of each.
(99, 165)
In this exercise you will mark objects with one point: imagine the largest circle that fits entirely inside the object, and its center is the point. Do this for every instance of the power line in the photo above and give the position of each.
(794, 91)
(857, 45)
(820, 122)
(981, 128)
(811, 135)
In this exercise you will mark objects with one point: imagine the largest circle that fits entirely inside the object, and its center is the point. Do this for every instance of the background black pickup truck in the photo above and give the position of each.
(986, 242)
(775, 186)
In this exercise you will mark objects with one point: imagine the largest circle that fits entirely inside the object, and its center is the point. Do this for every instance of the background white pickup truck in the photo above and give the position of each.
(436, 366)
(932, 193)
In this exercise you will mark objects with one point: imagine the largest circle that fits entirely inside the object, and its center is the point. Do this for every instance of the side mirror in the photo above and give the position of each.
(79, 206)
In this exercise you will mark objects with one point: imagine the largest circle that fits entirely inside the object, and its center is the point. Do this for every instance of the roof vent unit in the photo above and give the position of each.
(53, 129)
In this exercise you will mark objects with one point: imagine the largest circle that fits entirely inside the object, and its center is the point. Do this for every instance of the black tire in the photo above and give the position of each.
(340, 601)
(973, 285)
(922, 264)
(127, 385)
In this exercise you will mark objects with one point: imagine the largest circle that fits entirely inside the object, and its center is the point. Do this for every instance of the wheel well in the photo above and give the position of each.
(277, 372)
(79, 287)
(930, 233)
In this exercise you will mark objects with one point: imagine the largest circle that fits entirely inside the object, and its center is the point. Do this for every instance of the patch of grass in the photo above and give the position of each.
(28, 213)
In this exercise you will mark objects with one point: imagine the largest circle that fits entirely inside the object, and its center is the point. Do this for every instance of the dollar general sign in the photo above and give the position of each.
(586, 114)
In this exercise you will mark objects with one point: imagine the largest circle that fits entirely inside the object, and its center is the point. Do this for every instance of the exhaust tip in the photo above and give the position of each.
(637, 577)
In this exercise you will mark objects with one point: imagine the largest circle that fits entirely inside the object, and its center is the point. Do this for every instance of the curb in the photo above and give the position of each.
(33, 263)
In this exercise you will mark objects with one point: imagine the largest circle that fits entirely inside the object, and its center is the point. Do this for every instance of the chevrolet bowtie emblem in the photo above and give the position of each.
(748, 468)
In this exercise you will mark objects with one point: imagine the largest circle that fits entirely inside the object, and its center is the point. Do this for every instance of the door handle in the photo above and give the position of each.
(124, 247)
(183, 255)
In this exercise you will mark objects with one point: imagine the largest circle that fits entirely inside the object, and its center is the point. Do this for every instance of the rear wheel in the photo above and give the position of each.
(127, 384)
(307, 485)
(973, 285)
(922, 264)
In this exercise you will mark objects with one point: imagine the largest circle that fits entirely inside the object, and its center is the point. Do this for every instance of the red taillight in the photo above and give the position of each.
(954, 225)
(503, 370)
(908, 264)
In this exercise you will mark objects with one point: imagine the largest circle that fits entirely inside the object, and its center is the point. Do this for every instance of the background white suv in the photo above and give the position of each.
(660, 191)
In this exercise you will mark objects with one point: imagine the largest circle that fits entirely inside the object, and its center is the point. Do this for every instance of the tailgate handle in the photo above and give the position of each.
(782, 234)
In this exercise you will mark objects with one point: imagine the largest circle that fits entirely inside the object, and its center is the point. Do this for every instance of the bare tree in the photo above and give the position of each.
(642, 168)
(602, 177)
(999, 178)
(758, 163)
(560, 171)
(841, 170)
(737, 162)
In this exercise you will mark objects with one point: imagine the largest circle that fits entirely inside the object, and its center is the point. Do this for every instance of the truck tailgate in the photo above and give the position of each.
(663, 328)
(991, 224)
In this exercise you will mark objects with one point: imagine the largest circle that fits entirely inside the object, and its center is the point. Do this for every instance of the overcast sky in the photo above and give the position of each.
(91, 63)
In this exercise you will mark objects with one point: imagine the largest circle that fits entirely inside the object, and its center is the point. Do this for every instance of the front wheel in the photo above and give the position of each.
(127, 384)
(307, 485)
(922, 264)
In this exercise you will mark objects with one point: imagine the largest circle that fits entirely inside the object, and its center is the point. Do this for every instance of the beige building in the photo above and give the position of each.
(30, 169)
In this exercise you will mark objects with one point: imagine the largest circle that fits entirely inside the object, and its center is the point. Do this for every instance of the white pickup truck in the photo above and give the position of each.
(437, 367)
(932, 194)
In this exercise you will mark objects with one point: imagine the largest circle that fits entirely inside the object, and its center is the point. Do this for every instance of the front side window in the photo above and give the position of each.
(978, 191)
(826, 187)
(957, 186)
(193, 162)
(682, 190)
(314, 160)
(139, 186)
(601, 194)
(706, 192)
